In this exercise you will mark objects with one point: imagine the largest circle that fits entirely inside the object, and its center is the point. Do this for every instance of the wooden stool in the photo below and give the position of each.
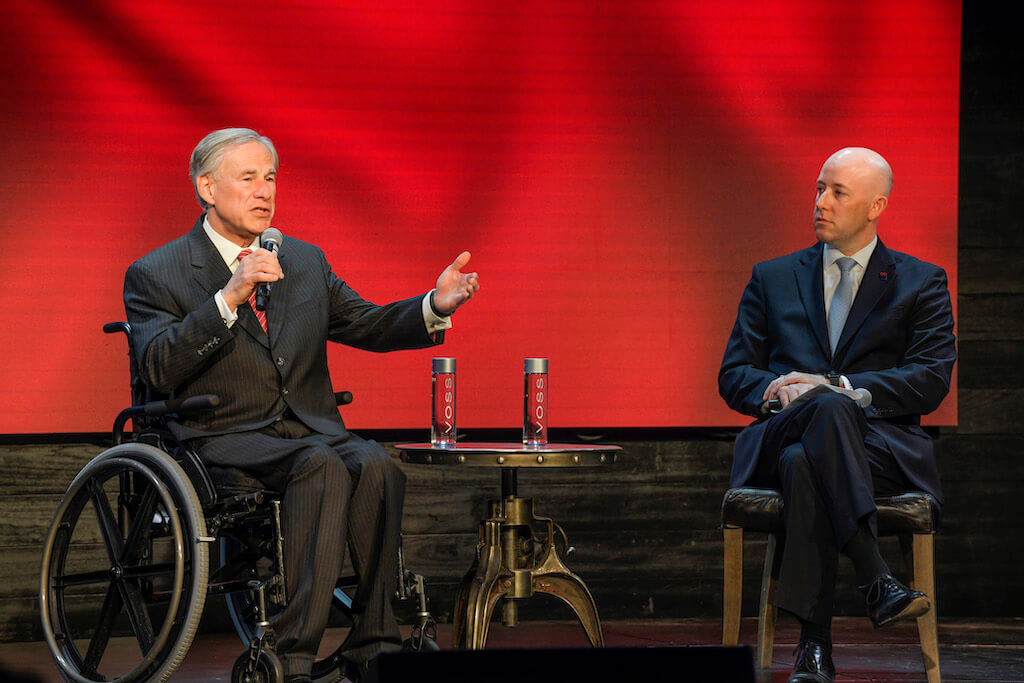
(912, 516)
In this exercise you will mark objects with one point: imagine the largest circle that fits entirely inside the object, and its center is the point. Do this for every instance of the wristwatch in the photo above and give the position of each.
(834, 378)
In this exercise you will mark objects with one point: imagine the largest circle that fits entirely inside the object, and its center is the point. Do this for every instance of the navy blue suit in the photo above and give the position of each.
(898, 343)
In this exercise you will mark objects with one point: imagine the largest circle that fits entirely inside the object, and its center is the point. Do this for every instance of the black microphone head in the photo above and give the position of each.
(271, 239)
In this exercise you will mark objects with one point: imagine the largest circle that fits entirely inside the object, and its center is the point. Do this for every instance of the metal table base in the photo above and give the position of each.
(511, 564)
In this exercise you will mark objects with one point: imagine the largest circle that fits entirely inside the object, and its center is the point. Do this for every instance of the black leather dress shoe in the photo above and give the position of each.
(813, 663)
(298, 678)
(890, 601)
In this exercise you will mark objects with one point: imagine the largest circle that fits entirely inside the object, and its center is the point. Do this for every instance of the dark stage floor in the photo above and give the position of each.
(969, 650)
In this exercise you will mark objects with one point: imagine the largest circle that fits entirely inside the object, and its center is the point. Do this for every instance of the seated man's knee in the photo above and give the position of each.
(793, 458)
(382, 471)
(316, 457)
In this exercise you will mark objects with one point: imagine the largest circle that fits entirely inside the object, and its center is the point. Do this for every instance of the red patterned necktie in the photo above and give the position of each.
(260, 315)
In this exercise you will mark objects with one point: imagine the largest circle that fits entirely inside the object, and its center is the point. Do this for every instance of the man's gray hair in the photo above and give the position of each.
(207, 155)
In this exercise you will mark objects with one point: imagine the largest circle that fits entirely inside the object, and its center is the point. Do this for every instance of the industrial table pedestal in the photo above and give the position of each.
(510, 563)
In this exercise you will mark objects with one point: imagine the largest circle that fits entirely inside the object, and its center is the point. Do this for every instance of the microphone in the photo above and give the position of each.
(864, 397)
(271, 241)
(861, 396)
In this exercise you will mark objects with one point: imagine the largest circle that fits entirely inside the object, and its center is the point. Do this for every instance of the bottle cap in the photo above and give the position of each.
(444, 365)
(535, 365)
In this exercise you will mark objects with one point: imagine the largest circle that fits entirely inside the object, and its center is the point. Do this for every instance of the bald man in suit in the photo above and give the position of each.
(847, 312)
(196, 331)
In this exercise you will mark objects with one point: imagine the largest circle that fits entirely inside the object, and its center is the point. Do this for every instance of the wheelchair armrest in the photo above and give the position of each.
(179, 406)
(182, 406)
(120, 326)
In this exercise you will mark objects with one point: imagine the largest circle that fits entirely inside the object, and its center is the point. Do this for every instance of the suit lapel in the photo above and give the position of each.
(211, 274)
(809, 284)
(208, 269)
(879, 278)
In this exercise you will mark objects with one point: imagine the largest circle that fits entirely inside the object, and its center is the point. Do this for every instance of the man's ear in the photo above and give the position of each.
(204, 185)
(878, 205)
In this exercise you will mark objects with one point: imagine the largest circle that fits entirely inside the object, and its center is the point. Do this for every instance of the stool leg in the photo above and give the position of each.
(554, 578)
(766, 610)
(927, 625)
(733, 585)
(478, 596)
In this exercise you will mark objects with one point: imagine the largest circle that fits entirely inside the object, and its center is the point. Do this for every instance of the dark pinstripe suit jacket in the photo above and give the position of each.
(897, 343)
(184, 348)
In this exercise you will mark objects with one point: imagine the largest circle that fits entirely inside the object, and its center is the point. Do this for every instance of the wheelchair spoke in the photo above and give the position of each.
(108, 521)
(140, 525)
(141, 571)
(135, 606)
(80, 579)
(98, 645)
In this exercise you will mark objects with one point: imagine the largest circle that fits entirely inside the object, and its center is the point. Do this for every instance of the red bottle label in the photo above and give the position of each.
(535, 418)
(442, 426)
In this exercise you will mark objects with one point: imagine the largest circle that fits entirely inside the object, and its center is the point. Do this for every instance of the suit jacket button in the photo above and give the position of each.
(284, 391)
(280, 361)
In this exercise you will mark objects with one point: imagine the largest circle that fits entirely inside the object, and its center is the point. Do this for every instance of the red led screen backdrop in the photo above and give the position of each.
(616, 169)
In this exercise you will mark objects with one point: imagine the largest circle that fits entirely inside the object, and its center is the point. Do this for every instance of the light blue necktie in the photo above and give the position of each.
(842, 299)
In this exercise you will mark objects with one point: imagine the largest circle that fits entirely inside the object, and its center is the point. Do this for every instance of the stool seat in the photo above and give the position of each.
(756, 509)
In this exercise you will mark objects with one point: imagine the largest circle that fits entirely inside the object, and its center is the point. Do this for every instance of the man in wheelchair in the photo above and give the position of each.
(196, 328)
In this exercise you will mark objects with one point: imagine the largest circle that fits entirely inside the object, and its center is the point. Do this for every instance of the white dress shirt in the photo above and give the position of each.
(830, 272)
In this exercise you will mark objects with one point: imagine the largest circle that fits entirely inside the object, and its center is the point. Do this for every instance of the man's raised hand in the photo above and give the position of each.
(454, 287)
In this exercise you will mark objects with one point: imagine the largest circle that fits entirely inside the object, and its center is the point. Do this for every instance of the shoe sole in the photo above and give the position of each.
(914, 609)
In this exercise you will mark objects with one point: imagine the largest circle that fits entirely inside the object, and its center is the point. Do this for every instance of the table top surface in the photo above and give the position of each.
(510, 454)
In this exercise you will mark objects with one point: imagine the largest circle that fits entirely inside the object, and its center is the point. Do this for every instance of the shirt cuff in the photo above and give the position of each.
(226, 314)
(846, 382)
(434, 322)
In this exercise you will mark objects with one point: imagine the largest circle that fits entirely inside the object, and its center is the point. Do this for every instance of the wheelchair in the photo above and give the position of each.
(134, 534)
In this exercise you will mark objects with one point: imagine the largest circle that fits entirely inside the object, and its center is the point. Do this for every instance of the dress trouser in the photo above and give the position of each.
(816, 454)
(335, 489)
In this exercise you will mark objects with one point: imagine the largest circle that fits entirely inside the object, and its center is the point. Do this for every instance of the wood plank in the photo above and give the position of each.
(42, 468)
(991, 364)
(991, 270)
(980, 458)
(26, 519)
(990, 411)
(991, 317)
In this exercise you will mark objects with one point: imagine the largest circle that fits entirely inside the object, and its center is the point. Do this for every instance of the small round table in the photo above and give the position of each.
(509, 563)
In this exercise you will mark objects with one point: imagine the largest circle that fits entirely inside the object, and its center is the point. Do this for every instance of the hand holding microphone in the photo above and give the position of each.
(259, 266)
(271, 241)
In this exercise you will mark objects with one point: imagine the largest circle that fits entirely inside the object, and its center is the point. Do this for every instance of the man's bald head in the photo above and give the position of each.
(870, 160)
(853, 190)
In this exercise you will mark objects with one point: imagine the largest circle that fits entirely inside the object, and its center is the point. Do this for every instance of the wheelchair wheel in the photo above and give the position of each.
(329, 665)
(266, 668)
(127, 554)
